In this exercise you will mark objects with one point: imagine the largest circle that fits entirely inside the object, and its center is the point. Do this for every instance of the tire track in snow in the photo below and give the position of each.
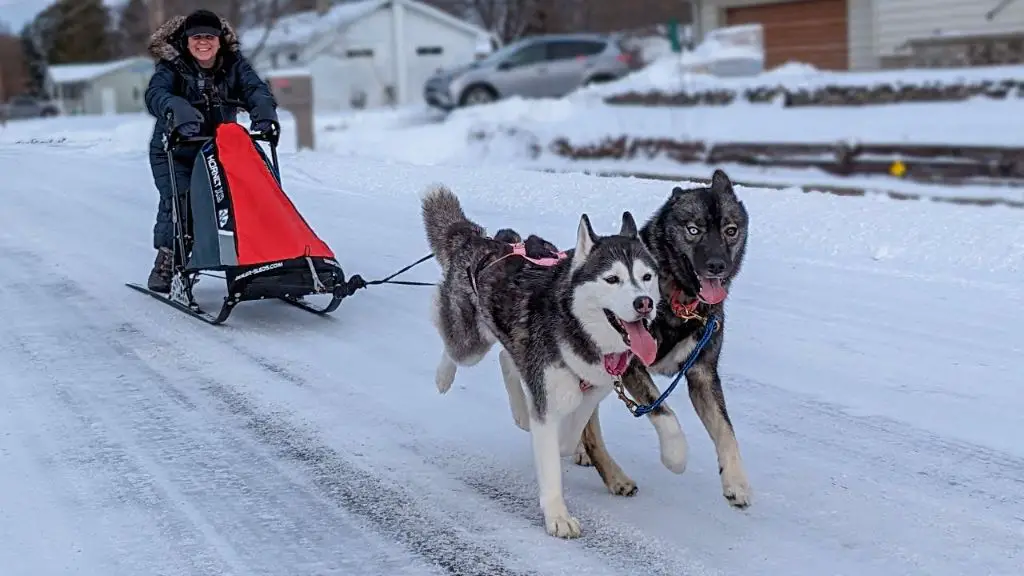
(614, 540)
(943, 502)
(621, 543)
(979, 472)
(90, 343)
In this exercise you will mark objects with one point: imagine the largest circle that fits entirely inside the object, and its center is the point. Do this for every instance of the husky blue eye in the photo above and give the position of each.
(692, 230)
(612, 279)
(731, 230)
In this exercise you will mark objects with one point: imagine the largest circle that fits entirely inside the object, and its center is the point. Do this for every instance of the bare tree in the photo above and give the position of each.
(507, 19)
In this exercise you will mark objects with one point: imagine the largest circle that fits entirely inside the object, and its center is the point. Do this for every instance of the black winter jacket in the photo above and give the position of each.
(180, 86)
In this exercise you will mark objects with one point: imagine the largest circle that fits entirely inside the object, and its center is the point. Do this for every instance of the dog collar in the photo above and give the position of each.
(683, 310)
(615, 364)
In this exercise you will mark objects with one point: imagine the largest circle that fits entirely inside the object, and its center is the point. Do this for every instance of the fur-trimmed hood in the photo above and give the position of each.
(167, 42)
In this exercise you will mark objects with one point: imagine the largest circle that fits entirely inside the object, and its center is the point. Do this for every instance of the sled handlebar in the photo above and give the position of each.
(271, 137)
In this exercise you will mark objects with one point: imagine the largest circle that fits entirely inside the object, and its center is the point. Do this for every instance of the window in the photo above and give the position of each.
(429, 50)
(569, 49)
(532, 54)
(359, 53)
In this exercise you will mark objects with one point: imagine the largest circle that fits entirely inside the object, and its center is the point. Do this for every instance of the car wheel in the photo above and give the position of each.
(477, 95)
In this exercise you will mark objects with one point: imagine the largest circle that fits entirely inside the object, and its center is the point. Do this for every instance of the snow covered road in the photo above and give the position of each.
(873, 370)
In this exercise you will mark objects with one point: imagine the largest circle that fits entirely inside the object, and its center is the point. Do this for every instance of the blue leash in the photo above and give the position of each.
(709, 329)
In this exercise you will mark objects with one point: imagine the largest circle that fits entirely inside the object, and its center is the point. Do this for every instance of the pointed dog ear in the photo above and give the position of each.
(720, 183)
(585, 238)
(628, 225)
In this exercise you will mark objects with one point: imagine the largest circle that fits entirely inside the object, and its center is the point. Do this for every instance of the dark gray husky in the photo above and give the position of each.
(698, 238)
(569, 325)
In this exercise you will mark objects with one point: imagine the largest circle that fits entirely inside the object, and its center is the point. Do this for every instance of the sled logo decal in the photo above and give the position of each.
(215, 180)
(260, 270)
(222, 217)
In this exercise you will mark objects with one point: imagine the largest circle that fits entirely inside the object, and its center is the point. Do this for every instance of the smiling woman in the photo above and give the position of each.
(200, 73)
(202, 29)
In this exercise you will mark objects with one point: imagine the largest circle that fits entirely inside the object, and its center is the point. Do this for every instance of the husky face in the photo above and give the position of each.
(708, 228)
(616, 289)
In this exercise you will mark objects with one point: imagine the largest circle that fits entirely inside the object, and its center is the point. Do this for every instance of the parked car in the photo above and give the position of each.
(19, 107)
(549, 66)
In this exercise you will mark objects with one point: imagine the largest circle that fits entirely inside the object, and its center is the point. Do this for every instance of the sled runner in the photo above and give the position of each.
(235, 218)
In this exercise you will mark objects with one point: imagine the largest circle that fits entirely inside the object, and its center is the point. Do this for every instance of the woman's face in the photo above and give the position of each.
(204, 48)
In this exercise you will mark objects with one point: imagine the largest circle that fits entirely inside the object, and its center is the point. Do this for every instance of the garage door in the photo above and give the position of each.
(811, 31)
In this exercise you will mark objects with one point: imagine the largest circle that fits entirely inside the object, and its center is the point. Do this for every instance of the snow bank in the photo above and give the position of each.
(425, 140)
(119, 133)
(672, 73)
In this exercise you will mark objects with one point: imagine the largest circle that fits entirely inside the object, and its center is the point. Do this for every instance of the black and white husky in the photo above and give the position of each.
(568, 328)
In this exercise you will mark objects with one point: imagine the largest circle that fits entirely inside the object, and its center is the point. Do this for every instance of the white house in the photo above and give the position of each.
(856, 34)
(366, 53)
(116, 87)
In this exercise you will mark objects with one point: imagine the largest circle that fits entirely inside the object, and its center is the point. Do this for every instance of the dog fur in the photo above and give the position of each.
(698, 238)
(564, 329)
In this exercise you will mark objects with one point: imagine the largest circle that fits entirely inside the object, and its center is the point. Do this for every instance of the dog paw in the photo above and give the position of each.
(521, 420)
(580, 457)
(445, 376)
(736, 488)
(622, 486)
(562, 526)
(674, 453)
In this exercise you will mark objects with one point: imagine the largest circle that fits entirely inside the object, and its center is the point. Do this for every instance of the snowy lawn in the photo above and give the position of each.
(872, 368)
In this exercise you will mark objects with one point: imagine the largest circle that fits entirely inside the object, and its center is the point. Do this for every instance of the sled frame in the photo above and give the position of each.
(183, 281)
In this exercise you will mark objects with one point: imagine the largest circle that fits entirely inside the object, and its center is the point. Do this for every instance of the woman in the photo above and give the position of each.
(199, 66)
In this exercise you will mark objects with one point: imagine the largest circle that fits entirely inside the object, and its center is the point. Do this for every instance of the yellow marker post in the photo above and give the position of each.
(898, 169)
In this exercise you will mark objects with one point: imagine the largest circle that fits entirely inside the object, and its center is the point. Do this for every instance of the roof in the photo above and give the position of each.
(446, 18)
(72, 73)
(304, 28)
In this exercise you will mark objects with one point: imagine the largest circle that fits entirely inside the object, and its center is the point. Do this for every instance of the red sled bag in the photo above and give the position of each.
(244, 224)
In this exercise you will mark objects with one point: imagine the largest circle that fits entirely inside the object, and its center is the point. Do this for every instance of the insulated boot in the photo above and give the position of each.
(163, 268)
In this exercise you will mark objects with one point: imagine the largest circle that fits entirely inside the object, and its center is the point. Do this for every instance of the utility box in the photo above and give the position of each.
(293, 90)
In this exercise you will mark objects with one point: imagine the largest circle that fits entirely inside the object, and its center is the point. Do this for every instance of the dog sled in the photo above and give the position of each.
(235, 219)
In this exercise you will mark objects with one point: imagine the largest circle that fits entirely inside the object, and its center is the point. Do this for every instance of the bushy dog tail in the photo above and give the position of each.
(446, 223)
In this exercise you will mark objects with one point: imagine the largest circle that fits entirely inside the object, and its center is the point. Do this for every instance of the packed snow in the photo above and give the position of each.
(675, 72)
(872, 368)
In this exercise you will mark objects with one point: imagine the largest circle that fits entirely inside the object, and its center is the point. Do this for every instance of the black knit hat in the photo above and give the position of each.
(202, 22)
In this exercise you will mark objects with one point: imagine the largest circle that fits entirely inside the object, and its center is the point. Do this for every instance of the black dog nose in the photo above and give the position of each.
(643, 304)
(716, 266)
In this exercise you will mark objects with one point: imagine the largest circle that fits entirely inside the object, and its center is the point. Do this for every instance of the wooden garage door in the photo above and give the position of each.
(811, 31)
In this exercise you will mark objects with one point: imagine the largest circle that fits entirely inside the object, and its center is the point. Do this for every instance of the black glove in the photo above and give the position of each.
(189, 129)
(262, 126)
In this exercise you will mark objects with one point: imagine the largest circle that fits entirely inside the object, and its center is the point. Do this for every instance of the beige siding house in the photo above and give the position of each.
(858, 34)
(117, 87)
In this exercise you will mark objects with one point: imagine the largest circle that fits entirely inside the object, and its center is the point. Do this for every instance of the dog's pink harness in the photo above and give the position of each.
(519, 249)
(614, 364)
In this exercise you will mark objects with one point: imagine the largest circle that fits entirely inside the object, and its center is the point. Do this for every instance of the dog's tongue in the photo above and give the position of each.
(711, 290)
(641, 342)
